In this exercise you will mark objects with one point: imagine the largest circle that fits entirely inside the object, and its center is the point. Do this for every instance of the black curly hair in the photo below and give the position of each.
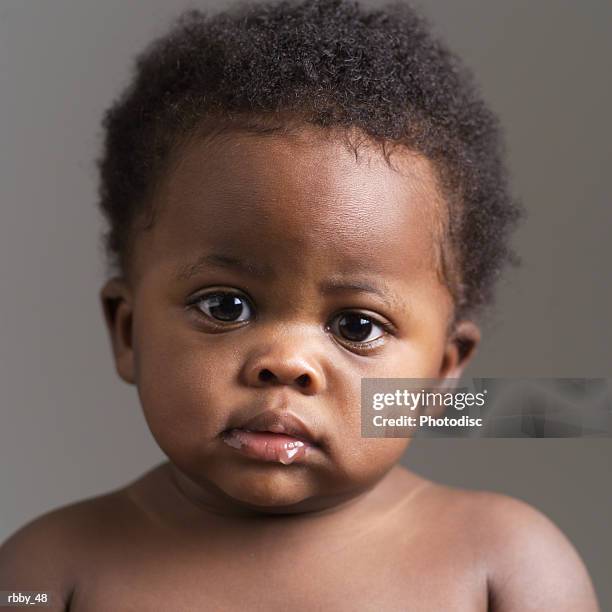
(269, 66)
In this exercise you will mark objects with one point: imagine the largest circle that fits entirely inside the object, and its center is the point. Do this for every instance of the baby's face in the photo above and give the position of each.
(279, 272)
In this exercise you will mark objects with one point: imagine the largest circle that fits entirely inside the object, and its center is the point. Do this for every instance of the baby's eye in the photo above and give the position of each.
(357, 327)
(224, 306)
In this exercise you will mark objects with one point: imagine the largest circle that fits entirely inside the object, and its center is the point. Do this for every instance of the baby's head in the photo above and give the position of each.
(299, 196)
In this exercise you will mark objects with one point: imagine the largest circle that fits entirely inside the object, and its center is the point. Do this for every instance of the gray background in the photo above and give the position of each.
(69, 428)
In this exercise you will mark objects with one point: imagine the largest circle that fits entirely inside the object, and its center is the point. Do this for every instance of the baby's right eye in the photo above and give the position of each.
(224, 306)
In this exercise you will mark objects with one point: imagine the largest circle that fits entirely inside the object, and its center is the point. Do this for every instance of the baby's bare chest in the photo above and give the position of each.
(362, 575)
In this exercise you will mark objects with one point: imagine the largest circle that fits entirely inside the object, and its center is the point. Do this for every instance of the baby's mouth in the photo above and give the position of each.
(272, 436)
(266, 445)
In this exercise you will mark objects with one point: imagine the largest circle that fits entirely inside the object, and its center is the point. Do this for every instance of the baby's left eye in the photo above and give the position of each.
(357, 327)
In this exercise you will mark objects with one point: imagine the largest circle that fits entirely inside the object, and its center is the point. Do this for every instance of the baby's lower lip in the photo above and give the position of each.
(267, 446)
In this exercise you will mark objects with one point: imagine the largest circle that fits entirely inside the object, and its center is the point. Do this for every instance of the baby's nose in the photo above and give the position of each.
(299, 373)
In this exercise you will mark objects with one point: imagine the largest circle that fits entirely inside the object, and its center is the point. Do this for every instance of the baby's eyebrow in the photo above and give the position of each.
(379, 289)
(218, 260)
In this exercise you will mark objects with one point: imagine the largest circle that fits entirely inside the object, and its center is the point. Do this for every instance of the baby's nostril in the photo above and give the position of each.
(303, 380)
(266, 375)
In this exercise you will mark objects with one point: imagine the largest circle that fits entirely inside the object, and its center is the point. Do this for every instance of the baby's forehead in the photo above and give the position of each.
(301, 193)
(303, 178)
(298, 149)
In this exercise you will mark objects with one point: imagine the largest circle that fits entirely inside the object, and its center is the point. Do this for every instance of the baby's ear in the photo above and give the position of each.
(117, 307)
(460, 348)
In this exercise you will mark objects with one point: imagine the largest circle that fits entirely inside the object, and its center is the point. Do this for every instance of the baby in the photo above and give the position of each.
(299, 196)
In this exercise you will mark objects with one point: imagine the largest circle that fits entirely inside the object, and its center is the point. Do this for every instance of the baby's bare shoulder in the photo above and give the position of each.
(46, 553)
(530, 564)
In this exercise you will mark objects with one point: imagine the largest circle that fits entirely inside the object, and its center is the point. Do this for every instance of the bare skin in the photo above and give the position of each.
(319, 234)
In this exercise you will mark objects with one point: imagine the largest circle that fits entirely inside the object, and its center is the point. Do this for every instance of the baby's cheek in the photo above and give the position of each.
(183, 398)
(417, 358)
(366, 460)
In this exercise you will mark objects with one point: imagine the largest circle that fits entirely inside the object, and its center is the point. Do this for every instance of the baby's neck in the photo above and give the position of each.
(172, 500)
(212, 500)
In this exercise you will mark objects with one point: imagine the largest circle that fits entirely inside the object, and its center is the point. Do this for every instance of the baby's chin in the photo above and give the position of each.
(268, 489)
(274, 488)
(271, 488)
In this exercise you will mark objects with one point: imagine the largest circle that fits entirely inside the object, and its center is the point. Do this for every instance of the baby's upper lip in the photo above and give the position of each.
(280, 422)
